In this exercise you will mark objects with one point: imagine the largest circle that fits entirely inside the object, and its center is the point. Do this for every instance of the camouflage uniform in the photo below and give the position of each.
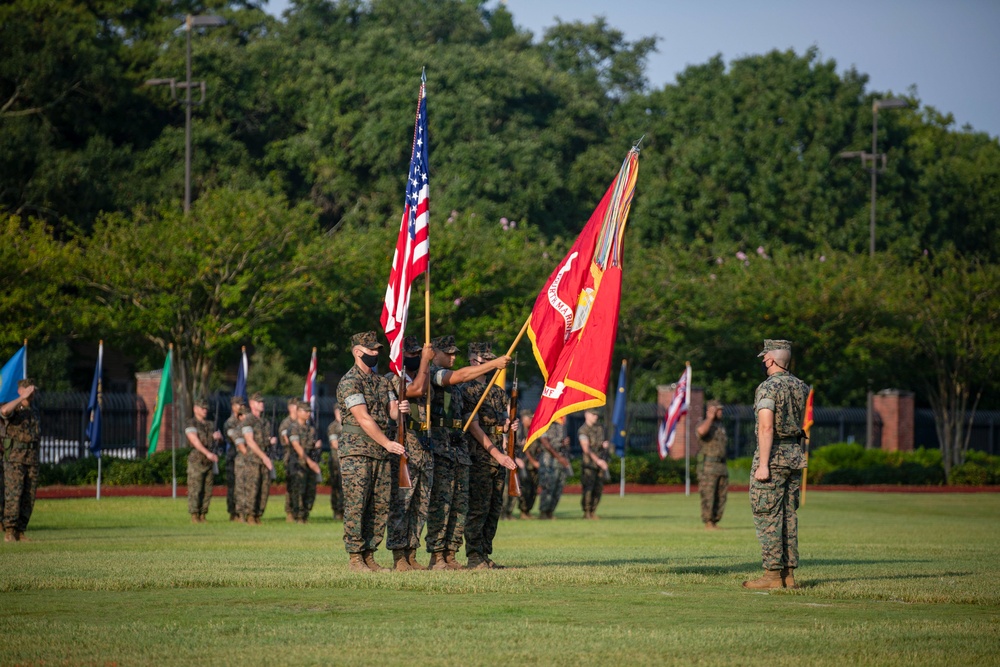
(22, 448)
(486, 477)
(364, 463)
(553, 474)
(775, 501)
(233, 430)
(529, 474)
(408, 507)
(253, 479)
(336, 484)
(591, 476)
(315, 454)
(199, 470)
(449, 501)
(284, 430)
(298, 473)
(713, 475)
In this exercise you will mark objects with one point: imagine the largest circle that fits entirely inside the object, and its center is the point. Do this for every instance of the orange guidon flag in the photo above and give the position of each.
(575, 319)
(807, 420)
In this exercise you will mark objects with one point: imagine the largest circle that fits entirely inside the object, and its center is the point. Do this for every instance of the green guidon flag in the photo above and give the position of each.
(164, 396)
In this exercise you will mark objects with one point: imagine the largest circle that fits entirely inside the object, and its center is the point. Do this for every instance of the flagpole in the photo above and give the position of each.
(173, 428)
(621, 481)
(496, 374)
(687, 433)
(427, 335)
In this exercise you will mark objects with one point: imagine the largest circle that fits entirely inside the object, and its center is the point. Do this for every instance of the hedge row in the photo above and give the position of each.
(849, 464)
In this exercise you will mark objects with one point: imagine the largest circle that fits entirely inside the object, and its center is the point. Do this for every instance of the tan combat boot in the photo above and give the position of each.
(194, 518)
(411, 560)
(399, 563)
(233, 517)
(710, 525)
(788, 577)
(477, 562)
(494, 565)
(10, 535)
(202, 518)
(526, 515)
(369, 558)
(437, 561)
(357, 564)
(289, 518)
(450, 562)
(771, 579)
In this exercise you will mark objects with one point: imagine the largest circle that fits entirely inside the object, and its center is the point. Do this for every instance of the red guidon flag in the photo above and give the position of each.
(575, 319)
(807, 420)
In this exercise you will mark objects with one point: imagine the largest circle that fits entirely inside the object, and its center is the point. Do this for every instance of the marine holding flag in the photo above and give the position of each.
(575, 319)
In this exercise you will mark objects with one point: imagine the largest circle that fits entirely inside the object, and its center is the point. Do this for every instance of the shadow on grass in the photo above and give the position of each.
(812, 583)
(752, 567)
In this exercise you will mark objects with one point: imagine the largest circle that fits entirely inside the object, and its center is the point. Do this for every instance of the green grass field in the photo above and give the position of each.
(887, 579)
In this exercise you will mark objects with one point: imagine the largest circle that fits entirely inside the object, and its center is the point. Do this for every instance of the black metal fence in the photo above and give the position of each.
(125, 418)
(64, 425)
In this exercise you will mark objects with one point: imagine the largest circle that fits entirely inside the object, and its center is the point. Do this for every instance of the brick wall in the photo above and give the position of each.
(147, 386)
(665, 394)
(895, 408)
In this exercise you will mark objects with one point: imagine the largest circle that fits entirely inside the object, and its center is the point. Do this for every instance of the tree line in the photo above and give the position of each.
(746, 224)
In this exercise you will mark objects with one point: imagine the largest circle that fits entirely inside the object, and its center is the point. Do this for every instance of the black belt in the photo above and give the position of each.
(789, 440)
(418, 425)
(441, 422)
(714, 459)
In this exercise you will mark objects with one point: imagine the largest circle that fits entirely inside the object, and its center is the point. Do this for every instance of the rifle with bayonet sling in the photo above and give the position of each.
(513, 481)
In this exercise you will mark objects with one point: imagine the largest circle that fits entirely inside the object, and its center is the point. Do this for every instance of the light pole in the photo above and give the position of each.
(873, 157)
(191, 21)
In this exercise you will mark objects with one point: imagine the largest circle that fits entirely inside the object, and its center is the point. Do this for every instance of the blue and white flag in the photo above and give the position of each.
(94, 405)
(13, 372)
(241, 377)
(618, 417)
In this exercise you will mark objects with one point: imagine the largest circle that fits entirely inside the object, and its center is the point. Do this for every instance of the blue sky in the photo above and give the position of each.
(949, 50)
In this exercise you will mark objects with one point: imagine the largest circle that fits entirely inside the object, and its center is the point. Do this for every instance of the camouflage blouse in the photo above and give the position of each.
(360, 387)
(785, 395)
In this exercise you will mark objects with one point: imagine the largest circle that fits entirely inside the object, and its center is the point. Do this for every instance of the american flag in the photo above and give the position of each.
(410, 258)
(678, 408)
(309, 393)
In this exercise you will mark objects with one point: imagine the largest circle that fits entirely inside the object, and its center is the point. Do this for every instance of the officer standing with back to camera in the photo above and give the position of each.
(779, 406)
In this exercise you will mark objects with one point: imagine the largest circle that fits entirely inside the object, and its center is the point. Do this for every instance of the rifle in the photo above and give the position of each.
(215, 447)
(513, 481)
(404, 468)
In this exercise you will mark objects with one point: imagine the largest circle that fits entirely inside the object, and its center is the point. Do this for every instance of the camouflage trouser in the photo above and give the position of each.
(553, 477)
(309, 494)
(253, 486)
(231, 502)
(20, 483)
(486, 489)
(713, 490)
(449, 505)
(367, 486)
(509, 501)
(774, 504)
(408, 507)
(295, 488)
(199, 485)
(592, 480)
(336, 484)
(529, 489)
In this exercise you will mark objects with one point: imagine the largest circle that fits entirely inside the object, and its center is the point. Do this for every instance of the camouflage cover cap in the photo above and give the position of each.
(238, 400)
(484, 350)
(593, 411)
(445, 344)
(527, 413)
(257, 397)
(201, 403)
(772, 345)
(302, 404)
(411, 345)
(25, 383)
(366, 339)
(713, 404)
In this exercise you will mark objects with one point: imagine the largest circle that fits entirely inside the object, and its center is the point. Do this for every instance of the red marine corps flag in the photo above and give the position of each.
(575, 319)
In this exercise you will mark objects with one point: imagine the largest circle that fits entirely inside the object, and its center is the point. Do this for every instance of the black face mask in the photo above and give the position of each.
(370, 360)
(411, 363)
(763, 368)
